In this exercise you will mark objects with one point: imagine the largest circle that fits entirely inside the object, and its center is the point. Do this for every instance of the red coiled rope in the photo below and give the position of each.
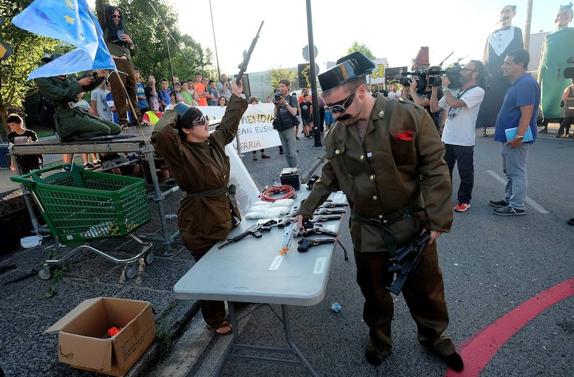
(269, 193)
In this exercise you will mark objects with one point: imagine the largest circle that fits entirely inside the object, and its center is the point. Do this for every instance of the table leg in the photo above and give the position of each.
(28, 203)
(158, 194)
(292, 345)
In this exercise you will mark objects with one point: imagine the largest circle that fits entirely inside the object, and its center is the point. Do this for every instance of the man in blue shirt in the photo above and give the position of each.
(164, 94)
(519, 109)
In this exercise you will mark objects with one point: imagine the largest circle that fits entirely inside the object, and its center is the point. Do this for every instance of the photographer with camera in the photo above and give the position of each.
(420, 90)
(286, 121)
(462, 106)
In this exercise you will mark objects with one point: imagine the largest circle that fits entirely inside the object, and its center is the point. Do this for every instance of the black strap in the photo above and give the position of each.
(464, 91)
(382, 223)
(389, 219)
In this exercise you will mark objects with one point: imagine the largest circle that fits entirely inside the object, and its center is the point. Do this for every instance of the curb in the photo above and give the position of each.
(152, 356)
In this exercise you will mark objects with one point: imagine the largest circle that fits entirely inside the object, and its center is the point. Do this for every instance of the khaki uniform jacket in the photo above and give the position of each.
(199, 167)
(61, 93)
(399, 165)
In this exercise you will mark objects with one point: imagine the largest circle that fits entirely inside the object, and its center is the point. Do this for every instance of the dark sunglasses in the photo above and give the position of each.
(341, 106)
(116, 16)
(201, 121)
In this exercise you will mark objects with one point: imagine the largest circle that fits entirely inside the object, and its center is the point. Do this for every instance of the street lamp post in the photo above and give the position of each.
(214, 41)
(316, 117)
(528, 23)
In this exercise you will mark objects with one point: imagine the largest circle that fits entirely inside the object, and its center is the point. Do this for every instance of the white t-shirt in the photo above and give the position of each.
(99, 96)
(461, 121)
(393, 95)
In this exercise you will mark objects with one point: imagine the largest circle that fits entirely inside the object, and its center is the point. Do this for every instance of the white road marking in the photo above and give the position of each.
(531, 202)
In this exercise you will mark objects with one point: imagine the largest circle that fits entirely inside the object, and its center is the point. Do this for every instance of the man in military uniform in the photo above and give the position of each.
(387, 157)
(74, 123)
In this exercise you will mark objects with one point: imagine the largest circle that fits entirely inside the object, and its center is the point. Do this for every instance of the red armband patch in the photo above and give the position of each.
(405, 136)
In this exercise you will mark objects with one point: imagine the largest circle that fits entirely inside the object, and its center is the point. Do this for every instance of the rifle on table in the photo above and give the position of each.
(247, 56)
(405, 260)
(282, 222)
(254, 231)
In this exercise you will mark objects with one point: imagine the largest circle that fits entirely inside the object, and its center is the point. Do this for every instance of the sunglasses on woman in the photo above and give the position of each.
(201, 121)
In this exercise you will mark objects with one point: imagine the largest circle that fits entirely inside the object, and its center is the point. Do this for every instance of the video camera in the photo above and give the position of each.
(432, 77)
(419, 76)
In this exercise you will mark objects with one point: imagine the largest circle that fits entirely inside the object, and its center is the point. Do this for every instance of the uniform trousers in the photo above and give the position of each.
(79, 125)
(126, 79)
(423, 293)
(213, 311)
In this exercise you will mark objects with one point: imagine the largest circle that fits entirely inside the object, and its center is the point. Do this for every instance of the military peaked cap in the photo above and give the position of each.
(348, 68)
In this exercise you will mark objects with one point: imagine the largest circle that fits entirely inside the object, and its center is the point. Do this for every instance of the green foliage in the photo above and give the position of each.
(279, 74)
(361, 47)
(28, 49)
(151, 34)
(146, 29)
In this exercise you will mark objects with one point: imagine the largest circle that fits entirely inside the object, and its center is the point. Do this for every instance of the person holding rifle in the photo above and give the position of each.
(387, 157)
(201, 168)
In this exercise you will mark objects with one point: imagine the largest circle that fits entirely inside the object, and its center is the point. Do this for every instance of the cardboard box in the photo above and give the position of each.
(82, 338)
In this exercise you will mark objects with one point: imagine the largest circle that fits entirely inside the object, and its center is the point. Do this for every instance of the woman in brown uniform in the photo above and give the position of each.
(200, 166)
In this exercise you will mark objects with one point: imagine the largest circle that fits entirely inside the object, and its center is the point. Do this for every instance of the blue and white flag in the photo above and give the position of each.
(72, 22)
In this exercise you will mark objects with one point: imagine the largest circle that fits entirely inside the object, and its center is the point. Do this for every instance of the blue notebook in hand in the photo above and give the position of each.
(511, 134)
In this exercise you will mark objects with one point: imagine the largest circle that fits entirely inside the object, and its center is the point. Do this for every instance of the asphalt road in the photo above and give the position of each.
(490, 264)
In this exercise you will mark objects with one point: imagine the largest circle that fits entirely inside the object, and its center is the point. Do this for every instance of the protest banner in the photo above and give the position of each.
(255, 129)
(378, 75)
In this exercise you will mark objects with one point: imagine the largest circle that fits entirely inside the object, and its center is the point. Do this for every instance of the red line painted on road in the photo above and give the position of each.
(481, 348)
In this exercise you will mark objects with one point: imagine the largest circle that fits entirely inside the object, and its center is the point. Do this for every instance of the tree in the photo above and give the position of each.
(152, 33)
(28, 50)
(362, 48)
(279, 74)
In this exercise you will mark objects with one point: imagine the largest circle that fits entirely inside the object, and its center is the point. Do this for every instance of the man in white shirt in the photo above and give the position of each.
(394, 93)
(98, 104)
(462, 106)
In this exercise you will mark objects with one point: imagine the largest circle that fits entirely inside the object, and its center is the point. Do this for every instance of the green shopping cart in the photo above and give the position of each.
(81, 205)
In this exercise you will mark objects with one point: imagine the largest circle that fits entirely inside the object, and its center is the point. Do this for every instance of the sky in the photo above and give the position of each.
(391, 29)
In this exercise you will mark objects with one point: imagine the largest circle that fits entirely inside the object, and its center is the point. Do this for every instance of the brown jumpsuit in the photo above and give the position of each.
(197, 168)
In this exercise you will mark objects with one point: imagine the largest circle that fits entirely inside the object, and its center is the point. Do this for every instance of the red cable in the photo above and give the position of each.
(287, 191)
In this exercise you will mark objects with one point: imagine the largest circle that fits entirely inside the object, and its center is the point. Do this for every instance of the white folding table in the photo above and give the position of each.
(253, 271)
